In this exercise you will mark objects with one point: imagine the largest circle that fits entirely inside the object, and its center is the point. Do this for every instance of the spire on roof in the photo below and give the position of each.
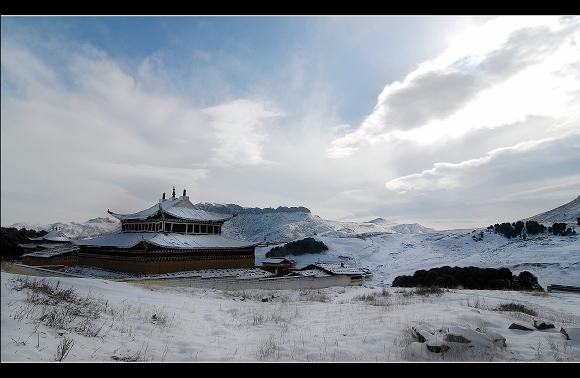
(173, 195)
(184, 197)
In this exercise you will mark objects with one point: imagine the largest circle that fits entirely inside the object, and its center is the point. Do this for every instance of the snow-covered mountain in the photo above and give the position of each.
(388, 249)
(567, 213)
(268, 225)
(285, 224)
(91, 228)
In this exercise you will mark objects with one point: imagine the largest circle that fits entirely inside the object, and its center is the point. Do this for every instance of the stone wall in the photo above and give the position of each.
(233, 283)
(230, 283)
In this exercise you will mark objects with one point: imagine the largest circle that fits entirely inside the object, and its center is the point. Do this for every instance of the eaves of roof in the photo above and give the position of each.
(179, 208)
(28, 245)
(165, 240)
(51, 252)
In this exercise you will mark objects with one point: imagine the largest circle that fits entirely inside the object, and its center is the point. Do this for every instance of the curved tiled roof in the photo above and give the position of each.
(54, 251)
(119, 240)
(54, 236)
(167, 240)
(176, 207)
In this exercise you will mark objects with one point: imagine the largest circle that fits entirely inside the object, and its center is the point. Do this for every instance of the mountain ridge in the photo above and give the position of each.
(285, 224)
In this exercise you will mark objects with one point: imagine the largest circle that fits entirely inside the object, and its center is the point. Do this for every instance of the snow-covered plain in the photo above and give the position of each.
(370, 323)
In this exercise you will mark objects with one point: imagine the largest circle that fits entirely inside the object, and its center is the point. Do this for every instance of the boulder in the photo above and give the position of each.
(427, 335)
(541, 325)
(520, 326)
(444, 339)
(563, 332)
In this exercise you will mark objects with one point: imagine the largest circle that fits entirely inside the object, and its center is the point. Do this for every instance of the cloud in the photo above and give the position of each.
(522, 166)
(324, 120)
(93, 118)
(528, 72)
(237, 127)
(103, 101)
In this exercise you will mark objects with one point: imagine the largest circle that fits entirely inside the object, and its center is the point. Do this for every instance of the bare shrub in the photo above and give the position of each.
(24, 312)
(20, 342)
(375, 299)
(58, 307)
(58, 317)
(424, 291)
(477, 303)
(366, 297)
(258, 319)
(515, 307)
(266, 349)
(162, 318)
(409, 336)
(139, 356)
(431, 290)
(314, 296)
(87, 328)
(63, 348)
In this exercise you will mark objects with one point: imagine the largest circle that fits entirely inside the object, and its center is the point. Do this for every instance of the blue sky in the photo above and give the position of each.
(447, 121)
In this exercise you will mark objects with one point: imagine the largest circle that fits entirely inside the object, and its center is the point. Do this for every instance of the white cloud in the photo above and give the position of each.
(530, 69)
(293, 124)
(237, 127)
(92, 119)
(523, 165)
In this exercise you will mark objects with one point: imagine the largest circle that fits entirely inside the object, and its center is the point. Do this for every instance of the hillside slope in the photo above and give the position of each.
(285, 227)
(567, 213)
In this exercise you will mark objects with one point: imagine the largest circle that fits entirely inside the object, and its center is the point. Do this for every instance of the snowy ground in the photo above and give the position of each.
(552, 259)
(368, 323)
(355, 324)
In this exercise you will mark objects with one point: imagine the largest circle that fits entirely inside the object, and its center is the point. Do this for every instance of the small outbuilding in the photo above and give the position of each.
(356, 275)
(279, 266)
(54, 248)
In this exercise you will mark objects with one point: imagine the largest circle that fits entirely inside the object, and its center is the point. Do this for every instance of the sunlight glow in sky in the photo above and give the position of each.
(438, 120)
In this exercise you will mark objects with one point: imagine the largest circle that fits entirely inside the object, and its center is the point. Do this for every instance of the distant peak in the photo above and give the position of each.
(381, 221)
(100, 220)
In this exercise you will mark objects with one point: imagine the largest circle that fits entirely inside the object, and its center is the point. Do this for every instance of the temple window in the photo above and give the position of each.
(179, 227)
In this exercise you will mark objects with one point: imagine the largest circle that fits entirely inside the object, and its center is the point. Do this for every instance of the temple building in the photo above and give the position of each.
(54, 248)
(171, 236)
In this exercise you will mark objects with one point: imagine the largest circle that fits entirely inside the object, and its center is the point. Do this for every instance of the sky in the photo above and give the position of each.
(368, 323)
(447, 121)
